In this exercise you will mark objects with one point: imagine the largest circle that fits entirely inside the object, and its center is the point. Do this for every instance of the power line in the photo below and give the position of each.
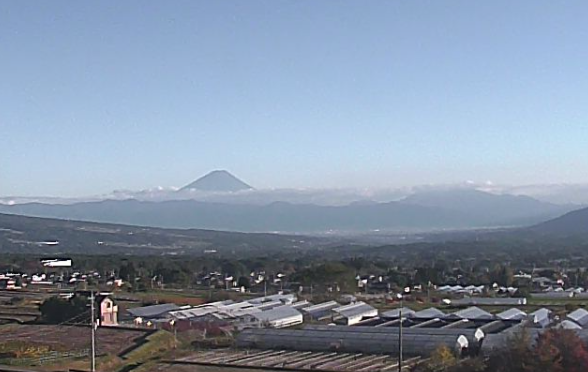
(65, 322)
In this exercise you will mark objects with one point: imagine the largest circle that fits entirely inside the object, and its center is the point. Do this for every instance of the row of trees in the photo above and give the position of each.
(306, 271)
(406, 265)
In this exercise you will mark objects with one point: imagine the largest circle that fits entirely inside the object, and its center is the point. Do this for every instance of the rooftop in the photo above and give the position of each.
(429, 313)
(472, 313)
(511, 314)
(153, 311)
(277, 313)
(355, 309)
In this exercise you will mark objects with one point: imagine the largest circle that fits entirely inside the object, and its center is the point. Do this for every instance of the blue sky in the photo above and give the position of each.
(96, 96)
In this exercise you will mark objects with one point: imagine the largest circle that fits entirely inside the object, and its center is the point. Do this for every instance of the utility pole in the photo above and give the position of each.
(93, 325)
(400, 335)
(264, 287)
(174, 329)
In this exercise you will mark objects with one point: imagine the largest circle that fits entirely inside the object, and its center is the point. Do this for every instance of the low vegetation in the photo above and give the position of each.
(556, 350)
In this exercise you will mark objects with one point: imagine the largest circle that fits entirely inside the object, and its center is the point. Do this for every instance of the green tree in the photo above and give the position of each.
(127, 272)
(502, 274)
(56, 310)
(243, 282)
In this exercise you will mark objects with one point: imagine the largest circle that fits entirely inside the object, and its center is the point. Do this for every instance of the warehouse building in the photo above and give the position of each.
(285, 299)
(279, 317)
(354, 313)
(322, 311)
(268, 311)
(152, 313)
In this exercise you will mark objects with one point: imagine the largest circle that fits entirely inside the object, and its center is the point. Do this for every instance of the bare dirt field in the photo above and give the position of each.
(71, 338)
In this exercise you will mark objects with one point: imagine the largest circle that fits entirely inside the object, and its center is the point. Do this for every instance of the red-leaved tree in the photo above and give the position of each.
(563, 350)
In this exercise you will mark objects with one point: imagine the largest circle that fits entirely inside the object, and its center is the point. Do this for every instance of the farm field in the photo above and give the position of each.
(69, 338)
(285, 360)
(162, 367)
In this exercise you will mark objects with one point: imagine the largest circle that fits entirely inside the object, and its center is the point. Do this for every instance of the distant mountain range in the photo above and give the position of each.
(220, 186)
(217, 181)
(57, 237)
(19, 234)
(574, 223)
(450, 209)
(489, 208)
(221, 201)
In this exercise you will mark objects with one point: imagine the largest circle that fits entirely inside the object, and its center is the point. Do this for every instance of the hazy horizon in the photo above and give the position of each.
(104, 96)
(563, 194)
(488, 186)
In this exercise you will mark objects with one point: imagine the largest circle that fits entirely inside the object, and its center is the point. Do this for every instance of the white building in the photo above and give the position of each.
(57, 262)
(354, 313)
(321, 311)
(108, 312)
(285, 299)
(279, 317)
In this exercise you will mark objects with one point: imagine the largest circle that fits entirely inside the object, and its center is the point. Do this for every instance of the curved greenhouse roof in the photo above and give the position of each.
(512, 314)
(407, 312)
(579, 316)
(541, 317)
(471, 313)
(568, 324)
(474, 335)
(371, 343)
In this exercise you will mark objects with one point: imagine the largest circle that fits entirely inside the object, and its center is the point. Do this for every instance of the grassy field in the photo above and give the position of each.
(156, 344)
(176, 297)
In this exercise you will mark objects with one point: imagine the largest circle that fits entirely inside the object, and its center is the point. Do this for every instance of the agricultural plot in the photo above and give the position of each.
(71, 338)
(289, 360)
(166, 367)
